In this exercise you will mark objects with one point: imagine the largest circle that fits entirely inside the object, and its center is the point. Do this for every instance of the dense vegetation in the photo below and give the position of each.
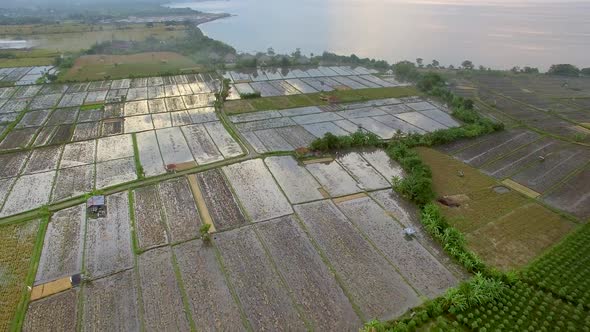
(551, 295)
(195, 45)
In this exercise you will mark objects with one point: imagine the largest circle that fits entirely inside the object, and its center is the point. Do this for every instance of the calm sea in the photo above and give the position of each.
(498, 34)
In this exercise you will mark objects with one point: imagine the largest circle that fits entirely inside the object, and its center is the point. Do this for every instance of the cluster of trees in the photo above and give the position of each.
(195, 45)
(565, 69)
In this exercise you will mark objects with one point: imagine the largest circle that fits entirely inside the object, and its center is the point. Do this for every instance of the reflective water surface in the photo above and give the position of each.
(499, 34)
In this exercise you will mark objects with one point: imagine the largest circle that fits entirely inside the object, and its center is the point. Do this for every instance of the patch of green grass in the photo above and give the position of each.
(138, 166)
(17, 257)
(99, 67)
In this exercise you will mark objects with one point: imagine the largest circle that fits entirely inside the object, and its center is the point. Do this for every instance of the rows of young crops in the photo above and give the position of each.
(525, 308)
(564, 270)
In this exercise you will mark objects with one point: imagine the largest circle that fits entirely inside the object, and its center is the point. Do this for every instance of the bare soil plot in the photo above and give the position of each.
(317, 291)
(27, 91)
(221, 202)
(374, 126)
(202, 146)
(139, 82)
(407, 214)
(273, 141)
(7, 92)
(255, 142)
(163, 309)
(149, 154)
(171, 90)
(113, 172)
(296, 136)
(111, 303)
(496, 147)
(180, 118)
(415, 263)
(520, 158)
(180, 209)
(265, 300)
(95, 97)
(155, 81)
(137, 94)
(173, 146)
(265, 124)
(321, 129)
(441, 117)
(72, 100)
(398, 124)
(18, 138)
(121, 84)
(114, 147)
(573, 195)
(334, 179)
(55, 313)
(301, 86)
(8, 118)
(43, 160)
(136, 108)
(114, 110)
(62, 134)
(90, 115)
(383, 164)
(161, 120)
(77, 154)
(34, 119)
(367, 177)
(99, 85)
(112, 127)
(72, 182)
(284, 88)
(150, 226)
(555, 166)
(515, 239)
(16, 251)
(157, 106)
(199, 100)
(175, 104)
(266, 89)
(63, 116)
(224, 141)
(138, 123)
(44, 136)
(108, 240)
(202, 115)
(211, 303)
(295, 180)
(255, 116)
(156, 92)
(12, 163)
(184, 89)
(29, 192)
(85, 131)
(262, 199)
(367, 276)
(15, 106)
(44, 102)
(5, 185)
(62, 249)
(315, 118)
(361, 112)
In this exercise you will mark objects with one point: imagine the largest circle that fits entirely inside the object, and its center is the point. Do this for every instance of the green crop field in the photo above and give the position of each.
(98, 67)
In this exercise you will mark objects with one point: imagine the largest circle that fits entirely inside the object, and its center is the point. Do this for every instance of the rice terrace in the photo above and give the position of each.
(169, 182)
